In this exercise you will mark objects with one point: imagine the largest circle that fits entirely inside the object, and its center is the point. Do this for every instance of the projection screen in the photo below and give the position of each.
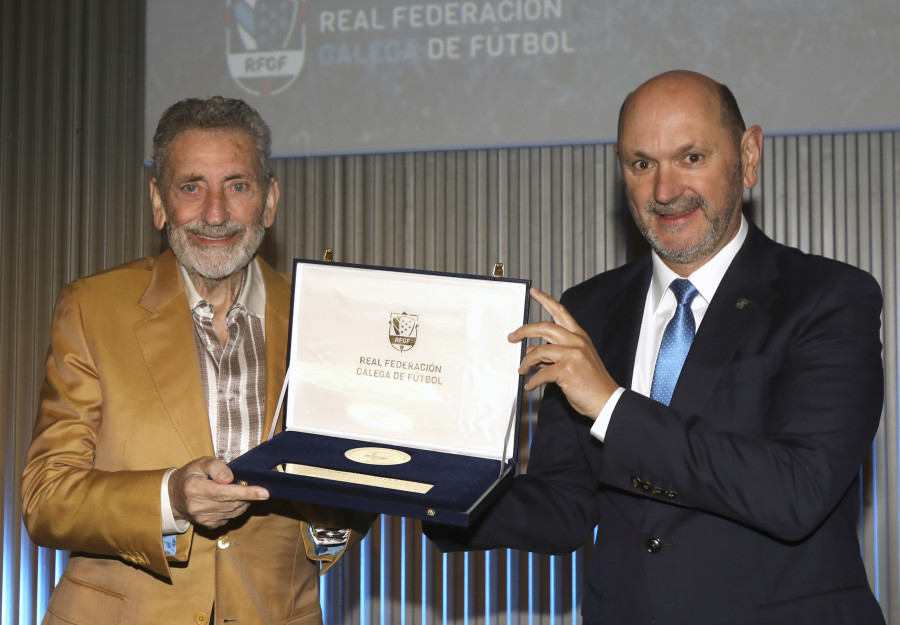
(363, 76)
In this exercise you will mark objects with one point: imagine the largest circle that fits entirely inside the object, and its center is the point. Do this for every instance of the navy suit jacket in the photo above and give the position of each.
(737, 503)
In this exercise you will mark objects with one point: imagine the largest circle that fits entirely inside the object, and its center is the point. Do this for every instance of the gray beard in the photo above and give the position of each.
(221, 262)
(718, 225)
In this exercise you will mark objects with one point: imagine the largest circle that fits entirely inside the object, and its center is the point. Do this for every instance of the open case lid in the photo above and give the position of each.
(409, 358)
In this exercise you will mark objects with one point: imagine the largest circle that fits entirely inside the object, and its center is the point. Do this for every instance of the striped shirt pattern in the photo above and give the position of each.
(233, 377)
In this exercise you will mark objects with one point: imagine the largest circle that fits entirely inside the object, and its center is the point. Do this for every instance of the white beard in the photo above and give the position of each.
(218, 262)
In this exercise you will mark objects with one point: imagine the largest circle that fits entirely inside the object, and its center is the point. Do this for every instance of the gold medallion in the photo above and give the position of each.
(377, 455)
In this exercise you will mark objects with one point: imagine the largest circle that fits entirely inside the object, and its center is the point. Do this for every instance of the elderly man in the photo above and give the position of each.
(707, 407)
(159, 372)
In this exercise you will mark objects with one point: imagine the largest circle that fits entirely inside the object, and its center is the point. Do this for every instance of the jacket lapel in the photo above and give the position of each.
(744, 296)
(623, 325)
(166, 339)
(278, 305)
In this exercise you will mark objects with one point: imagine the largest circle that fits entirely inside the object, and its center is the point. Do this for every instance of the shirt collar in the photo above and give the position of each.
(252, 295)
(707, 278)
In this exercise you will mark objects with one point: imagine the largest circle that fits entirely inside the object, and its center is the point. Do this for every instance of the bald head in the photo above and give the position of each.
(686, 159)
(682, 81)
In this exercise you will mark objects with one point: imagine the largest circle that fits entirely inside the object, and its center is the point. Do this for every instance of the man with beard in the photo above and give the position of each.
(706, 408)
(159, 372)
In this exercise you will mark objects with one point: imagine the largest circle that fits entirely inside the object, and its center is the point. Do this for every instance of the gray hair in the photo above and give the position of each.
(215, 113)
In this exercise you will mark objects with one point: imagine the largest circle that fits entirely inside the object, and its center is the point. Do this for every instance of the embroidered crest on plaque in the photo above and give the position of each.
(403, 329)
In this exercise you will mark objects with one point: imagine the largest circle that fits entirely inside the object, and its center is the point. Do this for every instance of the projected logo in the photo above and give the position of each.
(266, 42)
(403, 330)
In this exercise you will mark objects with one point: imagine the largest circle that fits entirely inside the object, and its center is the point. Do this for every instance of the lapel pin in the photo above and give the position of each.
(741, 302)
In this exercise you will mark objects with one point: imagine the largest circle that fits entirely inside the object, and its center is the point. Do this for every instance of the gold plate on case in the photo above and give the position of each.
(357, 478)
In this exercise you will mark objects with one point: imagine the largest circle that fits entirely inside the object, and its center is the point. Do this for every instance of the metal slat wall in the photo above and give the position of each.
(71, 198)
(73, 201)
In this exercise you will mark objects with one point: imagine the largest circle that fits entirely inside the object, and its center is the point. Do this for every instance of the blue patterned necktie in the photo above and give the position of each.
(676, 342)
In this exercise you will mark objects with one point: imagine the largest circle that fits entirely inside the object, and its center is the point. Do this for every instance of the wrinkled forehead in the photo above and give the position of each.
(226, 147)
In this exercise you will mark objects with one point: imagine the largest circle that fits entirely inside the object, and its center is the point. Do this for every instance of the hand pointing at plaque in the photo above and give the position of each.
(568, 358)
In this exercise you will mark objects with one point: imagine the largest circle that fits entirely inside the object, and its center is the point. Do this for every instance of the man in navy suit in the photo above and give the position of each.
(728, 492)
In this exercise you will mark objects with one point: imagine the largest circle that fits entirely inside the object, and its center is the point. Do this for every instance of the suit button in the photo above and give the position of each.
(653, 545)
(224, 542)
(671, 494)
(201, 618)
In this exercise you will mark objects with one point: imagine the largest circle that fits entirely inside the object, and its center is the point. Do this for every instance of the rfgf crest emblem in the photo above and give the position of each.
(403, 330)
(266, 43)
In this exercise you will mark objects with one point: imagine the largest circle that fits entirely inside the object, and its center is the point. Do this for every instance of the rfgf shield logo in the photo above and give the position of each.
(403, 331)
(266, 43)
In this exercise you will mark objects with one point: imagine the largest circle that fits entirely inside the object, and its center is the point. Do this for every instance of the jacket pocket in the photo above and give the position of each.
(310, 618)
(78, 603)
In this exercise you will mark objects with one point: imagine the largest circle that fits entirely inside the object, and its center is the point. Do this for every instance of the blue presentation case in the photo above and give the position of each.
(402, 394)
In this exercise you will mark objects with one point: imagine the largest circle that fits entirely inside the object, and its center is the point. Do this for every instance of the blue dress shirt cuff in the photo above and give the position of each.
(170, 527)
(170, 544)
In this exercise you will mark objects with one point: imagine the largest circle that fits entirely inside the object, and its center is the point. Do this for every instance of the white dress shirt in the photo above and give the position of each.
(659, 308)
